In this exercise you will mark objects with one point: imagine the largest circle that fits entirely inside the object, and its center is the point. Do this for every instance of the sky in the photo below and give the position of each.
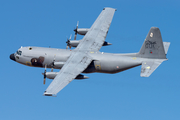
(121, 96)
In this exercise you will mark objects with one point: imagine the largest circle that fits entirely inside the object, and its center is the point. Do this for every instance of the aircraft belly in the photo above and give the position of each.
(109, 63)
(117, 66)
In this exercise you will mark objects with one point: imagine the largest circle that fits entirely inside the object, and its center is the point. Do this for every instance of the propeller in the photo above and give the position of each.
(75, 30)
(44, 74)
(68, 42)
(53, 63)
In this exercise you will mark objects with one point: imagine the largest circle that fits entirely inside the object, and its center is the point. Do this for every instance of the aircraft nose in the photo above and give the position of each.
(12, 57)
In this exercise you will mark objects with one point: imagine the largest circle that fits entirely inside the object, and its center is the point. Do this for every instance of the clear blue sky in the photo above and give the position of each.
(122, 96)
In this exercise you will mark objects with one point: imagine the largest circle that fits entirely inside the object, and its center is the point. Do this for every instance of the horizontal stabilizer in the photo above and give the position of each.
(148, 67)
(166, 46)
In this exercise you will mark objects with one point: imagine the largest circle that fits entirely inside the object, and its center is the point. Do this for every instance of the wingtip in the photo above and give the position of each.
(109, 8)
(144, 75)
(49, 94)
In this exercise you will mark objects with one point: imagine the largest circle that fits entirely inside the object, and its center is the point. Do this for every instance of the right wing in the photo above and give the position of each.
(95, 37)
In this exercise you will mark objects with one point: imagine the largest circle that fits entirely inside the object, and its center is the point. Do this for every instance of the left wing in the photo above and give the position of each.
(76, 64)
(79, 59)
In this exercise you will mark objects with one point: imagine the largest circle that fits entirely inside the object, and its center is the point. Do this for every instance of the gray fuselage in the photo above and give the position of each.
(102, 62)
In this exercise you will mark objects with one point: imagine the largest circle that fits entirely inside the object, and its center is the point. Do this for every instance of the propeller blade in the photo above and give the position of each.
(44, 81)
(68, 42)
(75, 30)
(77, 24)
(70, 37)
(75, 36)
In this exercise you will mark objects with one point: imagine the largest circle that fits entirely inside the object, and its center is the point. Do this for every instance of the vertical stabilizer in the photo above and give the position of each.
(153, 45)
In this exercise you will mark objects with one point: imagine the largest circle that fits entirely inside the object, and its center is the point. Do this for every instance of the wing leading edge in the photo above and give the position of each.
(79, 59)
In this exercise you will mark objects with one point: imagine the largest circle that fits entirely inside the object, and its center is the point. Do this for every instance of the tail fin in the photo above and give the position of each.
(153, 45)
(155, 50)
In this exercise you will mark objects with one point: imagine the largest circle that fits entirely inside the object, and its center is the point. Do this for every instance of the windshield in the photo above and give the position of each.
(19, 52)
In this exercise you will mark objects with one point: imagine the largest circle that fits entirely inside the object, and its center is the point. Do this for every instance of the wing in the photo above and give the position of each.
(95, 37)
(79, 59)
(76, 64)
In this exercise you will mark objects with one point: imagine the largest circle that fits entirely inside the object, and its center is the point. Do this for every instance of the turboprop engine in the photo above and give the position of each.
(81, 31)
(52, 75)
(58, 65)
(74, 43)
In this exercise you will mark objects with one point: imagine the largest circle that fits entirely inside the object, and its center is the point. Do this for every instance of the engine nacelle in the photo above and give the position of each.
(52, 75)
(74, 43)
(58, 65)
(82, 31)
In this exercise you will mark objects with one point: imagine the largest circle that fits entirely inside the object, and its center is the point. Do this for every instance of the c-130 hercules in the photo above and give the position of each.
(86, 57)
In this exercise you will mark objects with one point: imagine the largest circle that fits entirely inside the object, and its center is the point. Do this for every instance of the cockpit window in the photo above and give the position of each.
(19, 52)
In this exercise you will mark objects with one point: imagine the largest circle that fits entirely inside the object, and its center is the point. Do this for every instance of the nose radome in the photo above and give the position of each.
(12, 57)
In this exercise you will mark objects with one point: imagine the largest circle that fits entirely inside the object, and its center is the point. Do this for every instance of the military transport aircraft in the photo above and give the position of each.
(86, 57)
